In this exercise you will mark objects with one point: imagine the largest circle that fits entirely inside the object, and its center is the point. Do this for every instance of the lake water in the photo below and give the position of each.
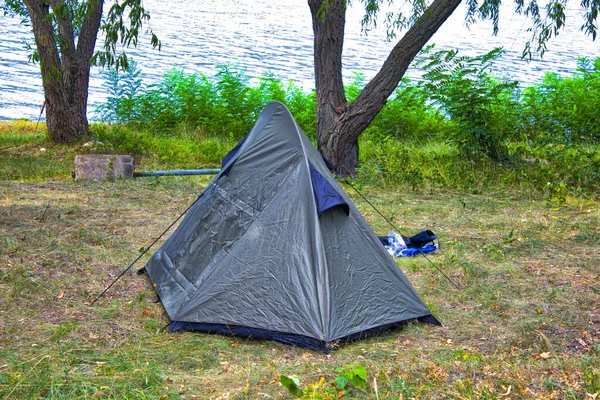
(262, 35)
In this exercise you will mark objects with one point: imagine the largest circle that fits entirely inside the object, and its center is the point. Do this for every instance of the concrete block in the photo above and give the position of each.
(103, 166)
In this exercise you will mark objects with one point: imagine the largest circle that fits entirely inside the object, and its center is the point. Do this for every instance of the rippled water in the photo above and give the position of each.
(262, 35)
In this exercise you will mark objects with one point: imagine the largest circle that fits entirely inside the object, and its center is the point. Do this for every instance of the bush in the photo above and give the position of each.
(484, 108)
(565, 110)
(225, 105)
(409, 116)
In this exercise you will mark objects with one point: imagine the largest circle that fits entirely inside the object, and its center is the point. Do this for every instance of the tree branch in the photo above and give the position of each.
(89, 29)
(374, 95)
(65, 30)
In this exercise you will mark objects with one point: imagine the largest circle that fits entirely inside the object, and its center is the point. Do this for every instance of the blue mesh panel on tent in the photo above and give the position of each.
(326, 196)
(290, 338)
(232, 153)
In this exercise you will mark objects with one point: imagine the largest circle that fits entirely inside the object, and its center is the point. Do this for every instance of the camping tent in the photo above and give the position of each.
(274, 248)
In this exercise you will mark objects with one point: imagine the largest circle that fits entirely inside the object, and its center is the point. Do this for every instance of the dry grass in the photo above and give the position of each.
(526, 323)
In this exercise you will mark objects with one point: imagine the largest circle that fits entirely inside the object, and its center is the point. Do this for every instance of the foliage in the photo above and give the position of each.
(544, 23)
(121, 26)
(348, 377)
(122, 89)
(565, 109)
(483, 107)
(408, 115)
(225, 105)
(185, 122)
(459, 100)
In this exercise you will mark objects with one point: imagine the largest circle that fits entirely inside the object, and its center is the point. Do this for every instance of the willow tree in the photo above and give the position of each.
(339, 123)
(65, 33)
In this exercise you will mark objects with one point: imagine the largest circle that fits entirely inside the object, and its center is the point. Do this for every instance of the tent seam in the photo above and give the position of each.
(326, 326)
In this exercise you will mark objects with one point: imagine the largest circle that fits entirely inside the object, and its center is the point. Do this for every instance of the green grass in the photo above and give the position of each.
(28, 156)
(526, 323)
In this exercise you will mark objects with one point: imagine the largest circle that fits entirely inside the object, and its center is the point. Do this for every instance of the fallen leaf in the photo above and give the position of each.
(97, 395)
(507, 391)
(545, 355)
(61, 295)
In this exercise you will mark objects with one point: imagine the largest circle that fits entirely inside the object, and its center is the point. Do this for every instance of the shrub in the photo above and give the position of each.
(409, 116)
(225, 105)
(565, 110)
(484, 108)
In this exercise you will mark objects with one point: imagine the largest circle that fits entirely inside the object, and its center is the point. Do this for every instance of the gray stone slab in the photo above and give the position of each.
(103, 166)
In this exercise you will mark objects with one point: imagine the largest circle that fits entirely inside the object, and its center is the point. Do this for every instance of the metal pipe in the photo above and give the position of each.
(178, 172)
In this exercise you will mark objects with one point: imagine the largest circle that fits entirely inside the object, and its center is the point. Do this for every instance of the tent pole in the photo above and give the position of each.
(178, 172)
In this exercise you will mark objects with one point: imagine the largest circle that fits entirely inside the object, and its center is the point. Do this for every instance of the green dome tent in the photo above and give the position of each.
(274, 248)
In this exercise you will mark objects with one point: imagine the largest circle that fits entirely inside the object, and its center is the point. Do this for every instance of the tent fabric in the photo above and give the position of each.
(274, 248)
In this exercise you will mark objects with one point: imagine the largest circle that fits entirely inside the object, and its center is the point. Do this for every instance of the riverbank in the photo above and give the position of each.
(525, 324)
(552, 173)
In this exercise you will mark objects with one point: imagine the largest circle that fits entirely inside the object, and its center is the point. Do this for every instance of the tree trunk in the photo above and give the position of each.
(339, 124)
(65, 69)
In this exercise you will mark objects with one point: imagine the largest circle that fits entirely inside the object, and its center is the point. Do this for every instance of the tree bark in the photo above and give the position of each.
(339, 124)
(65, 68)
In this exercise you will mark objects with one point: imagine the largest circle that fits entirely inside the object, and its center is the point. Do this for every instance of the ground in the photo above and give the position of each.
(525, 322)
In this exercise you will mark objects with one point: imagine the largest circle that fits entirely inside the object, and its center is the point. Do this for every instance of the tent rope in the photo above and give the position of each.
(457, 286)
(144, 252)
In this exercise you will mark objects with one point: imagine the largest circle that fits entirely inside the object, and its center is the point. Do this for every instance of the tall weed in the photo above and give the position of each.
(483, 107)
(460, 127)
(565, 110)
(225, 105)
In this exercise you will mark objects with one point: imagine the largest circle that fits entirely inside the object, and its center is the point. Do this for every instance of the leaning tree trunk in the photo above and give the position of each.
(65, 68)
(339, 124)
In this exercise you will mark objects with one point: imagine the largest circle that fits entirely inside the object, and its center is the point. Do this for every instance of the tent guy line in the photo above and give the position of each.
(456, 285)
(144, 252)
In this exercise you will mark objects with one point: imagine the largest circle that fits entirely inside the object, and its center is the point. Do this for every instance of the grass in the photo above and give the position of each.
(28, 156)
(526, 323)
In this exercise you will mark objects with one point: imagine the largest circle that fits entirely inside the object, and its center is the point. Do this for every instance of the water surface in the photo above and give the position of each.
(261, 36)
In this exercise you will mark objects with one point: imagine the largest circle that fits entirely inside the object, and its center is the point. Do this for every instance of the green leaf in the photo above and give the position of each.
(359, 378)
(292, 384)
(341, 381)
